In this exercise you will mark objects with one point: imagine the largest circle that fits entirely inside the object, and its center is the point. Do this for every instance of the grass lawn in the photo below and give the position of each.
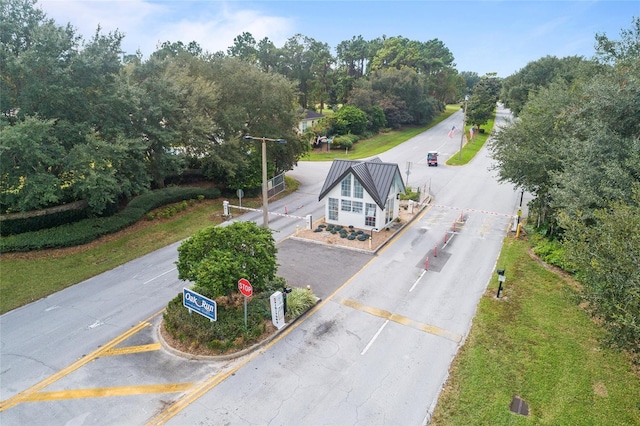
(379, 143)
(536, 343)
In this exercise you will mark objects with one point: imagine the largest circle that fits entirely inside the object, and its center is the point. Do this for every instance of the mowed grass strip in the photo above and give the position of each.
(537, 343)
(470, 149)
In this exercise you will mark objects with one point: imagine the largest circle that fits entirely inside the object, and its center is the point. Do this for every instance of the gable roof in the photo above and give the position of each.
(375, 177)
(309, 114)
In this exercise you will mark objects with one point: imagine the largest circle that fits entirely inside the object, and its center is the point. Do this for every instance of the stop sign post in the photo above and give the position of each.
(245, 287)
(247, 290)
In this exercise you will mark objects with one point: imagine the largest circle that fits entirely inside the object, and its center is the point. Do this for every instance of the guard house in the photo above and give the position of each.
(362, 193)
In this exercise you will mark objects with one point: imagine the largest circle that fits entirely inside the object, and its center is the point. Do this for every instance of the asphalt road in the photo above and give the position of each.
(376, 350)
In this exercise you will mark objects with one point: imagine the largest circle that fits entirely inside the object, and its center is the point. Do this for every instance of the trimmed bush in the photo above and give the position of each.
(13, 224)
(87, 230)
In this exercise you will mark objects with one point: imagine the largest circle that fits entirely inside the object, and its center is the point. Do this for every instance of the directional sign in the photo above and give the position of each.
(245, 287)
(277, 309)
(202, 305)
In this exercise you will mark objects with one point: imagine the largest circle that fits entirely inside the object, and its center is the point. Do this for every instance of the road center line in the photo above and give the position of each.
(373, 339)
(158, 276)
(417, 281)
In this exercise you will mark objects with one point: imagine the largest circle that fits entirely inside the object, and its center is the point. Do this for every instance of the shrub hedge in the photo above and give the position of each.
(42, 219)
(87, 230)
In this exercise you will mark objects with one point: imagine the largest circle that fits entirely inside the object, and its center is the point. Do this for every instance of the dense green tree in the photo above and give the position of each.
(244, 48)
(607, 256)
(601, 148)
(517, 88)
(349, 119)
(352, 56)
(404, 90)
(268, 55)
(159, 114)
(215, 258)
(482, 102)
(470, 79)
(176, 48)
(28, 151)
(528, 150)
(575, 146)
(71, 94)
(303, 59)
(257, 104)
(623, 51)
(323, 74)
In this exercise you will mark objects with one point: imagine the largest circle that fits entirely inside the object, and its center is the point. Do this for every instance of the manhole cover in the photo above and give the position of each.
(518, 406)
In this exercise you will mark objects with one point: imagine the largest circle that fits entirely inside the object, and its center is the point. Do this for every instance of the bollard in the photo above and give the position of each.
(435, 251)
(454, 226)
(446, 234)
(426, 264)
(501, 279)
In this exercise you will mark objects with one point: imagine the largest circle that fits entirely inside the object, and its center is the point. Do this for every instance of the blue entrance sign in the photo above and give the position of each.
(202, 305)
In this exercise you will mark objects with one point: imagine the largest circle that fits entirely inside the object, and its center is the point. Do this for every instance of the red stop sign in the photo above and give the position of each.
(245, 287)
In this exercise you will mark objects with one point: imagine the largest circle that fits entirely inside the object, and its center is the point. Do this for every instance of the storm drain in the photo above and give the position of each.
(518, 406)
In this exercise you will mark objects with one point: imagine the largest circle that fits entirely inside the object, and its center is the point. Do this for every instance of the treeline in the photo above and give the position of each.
(83, 121)
(575, 146)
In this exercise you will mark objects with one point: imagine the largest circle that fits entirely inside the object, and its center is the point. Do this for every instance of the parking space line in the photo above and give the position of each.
(400, 319)
(106, 392)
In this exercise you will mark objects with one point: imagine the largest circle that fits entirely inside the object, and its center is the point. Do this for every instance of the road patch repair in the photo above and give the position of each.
(437, 257)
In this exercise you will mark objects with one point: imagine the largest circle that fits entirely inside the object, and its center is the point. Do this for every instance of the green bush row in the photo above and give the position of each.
(87, 230)
(18, 225)
(344, 141)
(172, 210)
(551, 252)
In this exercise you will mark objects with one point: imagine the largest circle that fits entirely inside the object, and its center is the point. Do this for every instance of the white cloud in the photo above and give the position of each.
(145, 25)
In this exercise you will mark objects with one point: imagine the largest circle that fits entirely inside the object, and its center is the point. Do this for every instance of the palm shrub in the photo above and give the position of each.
(299, 301)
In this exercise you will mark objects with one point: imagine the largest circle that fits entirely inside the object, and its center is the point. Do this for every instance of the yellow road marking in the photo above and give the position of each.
(104, 392)
(22, 396)
(132, 349)
(401, 319)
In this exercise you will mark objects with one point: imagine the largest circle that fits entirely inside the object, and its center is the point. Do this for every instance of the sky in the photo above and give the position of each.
(484, 36)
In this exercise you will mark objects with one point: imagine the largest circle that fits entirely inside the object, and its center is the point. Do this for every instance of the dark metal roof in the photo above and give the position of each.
(375, 177)
(309, 114)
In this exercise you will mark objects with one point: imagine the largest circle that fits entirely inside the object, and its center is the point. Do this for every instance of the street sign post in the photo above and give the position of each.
(247, 290)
